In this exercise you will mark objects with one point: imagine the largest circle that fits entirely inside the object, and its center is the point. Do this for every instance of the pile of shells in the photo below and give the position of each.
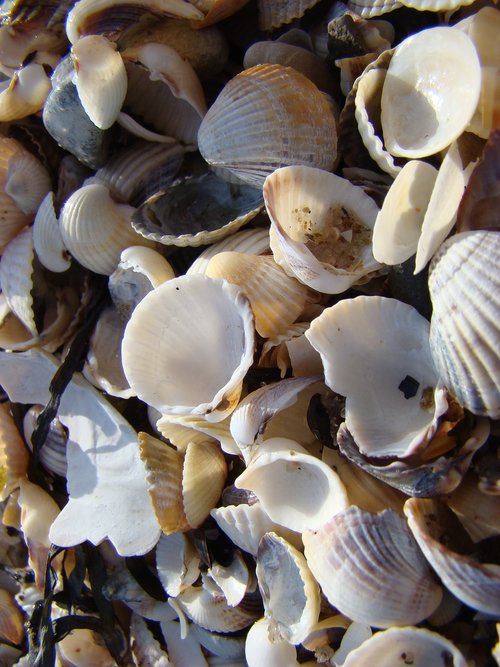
(249, 333)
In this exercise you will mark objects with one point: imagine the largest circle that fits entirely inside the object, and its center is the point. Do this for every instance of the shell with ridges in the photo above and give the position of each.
(249, 241)
(47, 237)
(16, 278)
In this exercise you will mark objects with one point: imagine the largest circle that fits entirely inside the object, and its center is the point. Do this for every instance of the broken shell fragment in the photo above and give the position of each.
(212, 327)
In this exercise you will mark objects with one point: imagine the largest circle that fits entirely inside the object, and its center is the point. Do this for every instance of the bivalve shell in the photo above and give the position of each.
(266, 117)
(465, 289)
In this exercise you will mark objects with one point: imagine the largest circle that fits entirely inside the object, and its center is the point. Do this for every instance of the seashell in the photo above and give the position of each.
(441, 212)
(13, 455)
(276, 99)
(274, 13)
(11, 619)
(229, 649)
(184, 650)
(139, 171)
(403, 381)
(25, 93)
(280, 465)
(398, 224)
(476, 510)
(276, 299)
(182, 492)
(475, 584)
(52, 454)
(248, 241)
(233, 579)
(371, 8)
(145, 649)
(89, 16)
(16, 278)
(437, 476)
(460, 274)
(177, 563)
(214, 326)
(122, 586)
(197, 210)
(290, 593)
(478, 206)
(324, 241)
(95, 229)
(47, 237)
(139, 271)
(27, 181)
(390, 647)
(260, 649)
(371, 569)
(66, 121)
(420, 120)
(103, 366)
(245, 525)
(218, 431)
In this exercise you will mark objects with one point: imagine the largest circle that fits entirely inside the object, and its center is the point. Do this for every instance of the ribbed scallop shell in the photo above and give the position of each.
(430, 92)
(276, 299)
(95, 229)
(206, 321)
(465, 287)
(398, 646)
(52, 454)
(47, 237)
(274, 13)
(474, 583)
(267, 117)
(16, 278)
(371, 569)
(27, 181)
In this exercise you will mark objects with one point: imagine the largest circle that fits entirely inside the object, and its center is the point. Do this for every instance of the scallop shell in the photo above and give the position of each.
(52, 454)
(47, 237)
(290, 593)
(248, 241)
(321, 227)
(371, 569)
(95, 229)
(274, 13)
(396, 413)
(430, 92)
(213, 327)
(416, 646)
(463, 335)
(282, 464)
(474, 583)
(16, 278)
(271, 111)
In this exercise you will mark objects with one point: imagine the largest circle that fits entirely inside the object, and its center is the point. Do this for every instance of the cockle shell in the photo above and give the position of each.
(248, 241)
(47, 237)
(16, 278)
(274, 13)
(261, 650)
(271, 111)
(212, 326)
(463, 334)
(371, 569)
(321, 227)
(396, 646)
(396, 411)
(95, 229)
(289, 591)
(52, 454)
(281, 465)
(430, 92)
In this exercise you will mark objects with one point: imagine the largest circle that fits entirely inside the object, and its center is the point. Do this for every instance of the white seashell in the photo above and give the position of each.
(213, 324)
(95, 229)
(463, 335)
(370, 8)
(27, 181)
(271, 111)
(249, 241)
(290, 593)
(418, 645)
(477, 511)
(52, 454)
(282, 465)
(47, 237)
(122, 586)
(177, 563)
(273, 13)
(16, 278)
(398, 224)
(233, 580)
(25, 93)
(441, 212)
(321, 227)
(371, 569)
(146, 651)
(184, 651)
(261, 650)
(430, 92)
(229, 649)
(396, 412)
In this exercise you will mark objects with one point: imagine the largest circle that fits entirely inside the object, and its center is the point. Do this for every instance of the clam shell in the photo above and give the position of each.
(370, 8)
(52, 454)
(290, 593)
(25, 93)
(463, 335)
(321, 227)
(430, 92)
(249, 241)
(396, 413)
(274, 13)
(261, 650)
(271, 111)
(16, 278)
(47, 237)
(371, 569)
(418, 645)
(27, 181)
(213, 327)
(95, 229)
(474, 583)
(11, 619)
(177, 563)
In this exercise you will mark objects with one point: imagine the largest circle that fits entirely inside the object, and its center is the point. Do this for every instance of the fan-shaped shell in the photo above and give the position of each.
(16, 278)
(371, 569)
(47, 237)
(274, 13)
(204, 320)
(267, 117)
(464, 340)
(430, 92)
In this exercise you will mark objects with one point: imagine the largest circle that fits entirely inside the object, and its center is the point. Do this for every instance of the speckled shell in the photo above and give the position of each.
(465, 288)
